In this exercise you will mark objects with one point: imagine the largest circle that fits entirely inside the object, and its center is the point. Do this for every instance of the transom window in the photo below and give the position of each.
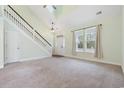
(86, 40)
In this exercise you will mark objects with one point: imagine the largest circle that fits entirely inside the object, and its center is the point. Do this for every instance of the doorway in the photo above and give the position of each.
(60, 45)
(11, 46)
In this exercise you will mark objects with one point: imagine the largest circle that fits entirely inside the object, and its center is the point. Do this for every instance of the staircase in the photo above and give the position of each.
(10, 14)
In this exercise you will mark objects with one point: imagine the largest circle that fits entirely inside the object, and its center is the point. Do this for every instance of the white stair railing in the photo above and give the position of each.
(12, 15)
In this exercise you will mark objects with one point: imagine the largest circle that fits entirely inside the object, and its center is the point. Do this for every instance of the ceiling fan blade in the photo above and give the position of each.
(44, 6)
(54, 7)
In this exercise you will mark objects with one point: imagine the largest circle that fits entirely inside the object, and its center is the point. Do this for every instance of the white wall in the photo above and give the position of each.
(24, 47)
(111, 32)
(30, 50)
(123, 38)
(111, 40)
(1, 43)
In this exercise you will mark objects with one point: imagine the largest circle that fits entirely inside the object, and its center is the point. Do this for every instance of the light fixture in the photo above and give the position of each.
(52, 28)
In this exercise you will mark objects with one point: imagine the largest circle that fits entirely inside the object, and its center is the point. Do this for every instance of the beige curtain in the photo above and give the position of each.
(98, 52)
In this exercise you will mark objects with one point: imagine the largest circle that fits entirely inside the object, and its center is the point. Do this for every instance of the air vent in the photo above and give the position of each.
(99, 12)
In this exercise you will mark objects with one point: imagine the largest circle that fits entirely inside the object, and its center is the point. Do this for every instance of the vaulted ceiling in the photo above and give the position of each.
(70, 16)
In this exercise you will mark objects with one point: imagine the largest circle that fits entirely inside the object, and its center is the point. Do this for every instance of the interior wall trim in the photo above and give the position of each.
(93, 60)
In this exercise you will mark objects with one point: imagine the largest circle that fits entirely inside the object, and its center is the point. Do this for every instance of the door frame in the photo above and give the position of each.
(57, 54)
(6, 45)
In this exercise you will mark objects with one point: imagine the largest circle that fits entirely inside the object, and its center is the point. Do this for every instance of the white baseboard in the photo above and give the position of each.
(34, 58)
(29, 59)
(94, 60)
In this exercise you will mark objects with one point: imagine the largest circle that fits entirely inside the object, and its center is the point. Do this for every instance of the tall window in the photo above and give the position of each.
(86, 40)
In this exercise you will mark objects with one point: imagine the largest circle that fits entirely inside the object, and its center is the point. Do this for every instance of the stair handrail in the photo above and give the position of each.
(29, 25)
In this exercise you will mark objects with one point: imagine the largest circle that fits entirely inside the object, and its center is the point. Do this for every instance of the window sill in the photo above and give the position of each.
(84, 52)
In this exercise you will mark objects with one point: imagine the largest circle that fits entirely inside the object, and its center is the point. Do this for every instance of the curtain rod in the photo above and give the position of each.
(85, 27)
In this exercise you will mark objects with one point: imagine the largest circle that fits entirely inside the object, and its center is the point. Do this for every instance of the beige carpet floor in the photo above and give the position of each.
(60, 72)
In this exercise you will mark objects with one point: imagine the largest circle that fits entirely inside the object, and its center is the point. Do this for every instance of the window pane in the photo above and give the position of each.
(80, 43)
(90, 35)
(91, 44)
(79, 40)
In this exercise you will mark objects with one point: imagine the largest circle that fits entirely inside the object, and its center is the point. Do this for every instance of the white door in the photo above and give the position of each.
(11, 47)
(60, 45)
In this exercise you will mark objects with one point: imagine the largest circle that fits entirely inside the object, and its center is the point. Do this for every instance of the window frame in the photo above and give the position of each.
(85, 40)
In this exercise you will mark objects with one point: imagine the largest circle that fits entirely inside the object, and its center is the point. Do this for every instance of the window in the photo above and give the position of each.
(86, 40)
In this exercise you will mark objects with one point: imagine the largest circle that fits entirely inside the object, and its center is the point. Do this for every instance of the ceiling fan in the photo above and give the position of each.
(53, 6)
